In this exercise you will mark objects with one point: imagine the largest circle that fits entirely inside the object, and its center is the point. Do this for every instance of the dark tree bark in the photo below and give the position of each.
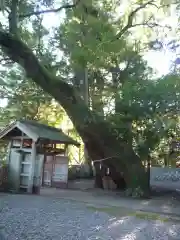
(100, 139)
(97, 87)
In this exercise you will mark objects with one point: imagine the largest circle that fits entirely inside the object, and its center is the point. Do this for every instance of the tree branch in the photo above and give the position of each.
(36, 13)
(20, 53)
(131, 18)
(150, 25)
(13, 21)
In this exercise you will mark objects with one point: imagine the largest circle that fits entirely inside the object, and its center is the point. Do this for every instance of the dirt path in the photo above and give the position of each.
(102, 198)
(27, 217)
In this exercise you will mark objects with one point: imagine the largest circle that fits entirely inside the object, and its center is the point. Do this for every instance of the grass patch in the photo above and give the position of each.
(150, 216)
(122, 212)
(114, 211)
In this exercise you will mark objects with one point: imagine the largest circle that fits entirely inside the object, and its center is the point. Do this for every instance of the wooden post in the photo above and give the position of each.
(41, 170)
(66, 150)
(38, 173)
(8, 153)
(53, 169)
(33, 162)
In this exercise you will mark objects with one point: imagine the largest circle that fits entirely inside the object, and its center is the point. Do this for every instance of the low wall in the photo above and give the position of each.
(167, 178)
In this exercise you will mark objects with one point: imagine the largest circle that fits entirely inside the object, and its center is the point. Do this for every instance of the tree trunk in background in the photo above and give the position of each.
(166, 158)
(82, 86)
(100, 139)
(148, 174)
(84, 69)
(115, 71)
(119, 77)
(88, 161)
(97, 87)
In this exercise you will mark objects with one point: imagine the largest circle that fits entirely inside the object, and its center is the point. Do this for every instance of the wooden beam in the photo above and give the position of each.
(20, 137)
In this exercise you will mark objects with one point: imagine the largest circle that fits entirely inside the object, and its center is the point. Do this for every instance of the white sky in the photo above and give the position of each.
(159, 61)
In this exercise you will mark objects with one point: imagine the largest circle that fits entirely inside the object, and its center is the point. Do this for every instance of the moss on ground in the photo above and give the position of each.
(122, 212)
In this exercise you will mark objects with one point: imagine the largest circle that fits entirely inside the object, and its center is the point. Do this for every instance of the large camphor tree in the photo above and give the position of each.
(101, 138)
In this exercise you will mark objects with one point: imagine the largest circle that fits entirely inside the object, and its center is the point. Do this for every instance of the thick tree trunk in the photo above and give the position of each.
(100, 138)
(137, 180)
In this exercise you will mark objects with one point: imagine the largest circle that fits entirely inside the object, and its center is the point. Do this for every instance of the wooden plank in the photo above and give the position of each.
(33, 162)
(25, 150)
(24, 174)
(13, 170)
(23, 186)
(38, 170)
(9, 152)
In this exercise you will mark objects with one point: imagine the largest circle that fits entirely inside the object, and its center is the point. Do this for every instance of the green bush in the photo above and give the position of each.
(135, 193)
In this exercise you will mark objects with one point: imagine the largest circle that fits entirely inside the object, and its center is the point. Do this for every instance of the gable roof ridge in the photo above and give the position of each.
(8, 127)
(38, 124)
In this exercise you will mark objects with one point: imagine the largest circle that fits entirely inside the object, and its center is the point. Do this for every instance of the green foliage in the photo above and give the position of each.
(135, 193)
(88, 39)
(148, 114)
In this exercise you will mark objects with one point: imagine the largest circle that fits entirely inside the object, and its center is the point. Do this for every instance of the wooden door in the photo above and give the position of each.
(47, 178)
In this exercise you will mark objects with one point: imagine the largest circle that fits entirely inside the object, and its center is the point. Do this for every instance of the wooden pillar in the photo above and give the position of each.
(33, 162)
(66, 150)
(42, 162)
(53, 169)
(8, 152)
(43, 168)
(40, 171)
(38, 174)
(8, 158)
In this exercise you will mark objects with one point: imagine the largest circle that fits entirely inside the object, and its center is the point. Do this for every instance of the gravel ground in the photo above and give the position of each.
(25, 217)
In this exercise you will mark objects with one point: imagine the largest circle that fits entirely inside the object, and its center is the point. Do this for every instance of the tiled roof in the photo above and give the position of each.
(41, 131)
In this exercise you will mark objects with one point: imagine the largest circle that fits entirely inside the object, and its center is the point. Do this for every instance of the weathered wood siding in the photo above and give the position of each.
(14, 170)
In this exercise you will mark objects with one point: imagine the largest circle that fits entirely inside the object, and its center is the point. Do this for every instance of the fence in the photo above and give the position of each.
(167, 178)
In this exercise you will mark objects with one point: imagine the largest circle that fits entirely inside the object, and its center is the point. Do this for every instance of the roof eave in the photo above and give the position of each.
(22, 128)
(7, 129)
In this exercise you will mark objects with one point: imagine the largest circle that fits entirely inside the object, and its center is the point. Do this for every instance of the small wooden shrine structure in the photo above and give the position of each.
(32, 146)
